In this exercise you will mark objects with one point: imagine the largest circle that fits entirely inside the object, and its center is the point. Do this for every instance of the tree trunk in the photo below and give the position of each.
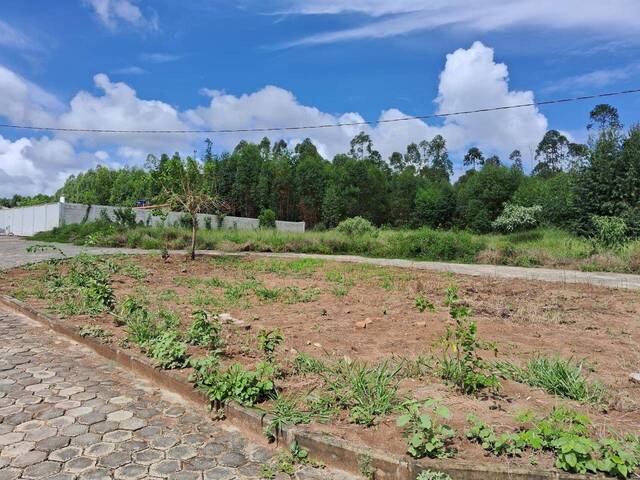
(194, 228)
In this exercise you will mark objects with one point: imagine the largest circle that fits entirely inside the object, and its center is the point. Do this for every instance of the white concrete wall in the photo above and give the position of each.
(26, 221)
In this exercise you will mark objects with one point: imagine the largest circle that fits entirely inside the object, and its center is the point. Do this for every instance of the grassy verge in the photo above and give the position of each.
(542, 247)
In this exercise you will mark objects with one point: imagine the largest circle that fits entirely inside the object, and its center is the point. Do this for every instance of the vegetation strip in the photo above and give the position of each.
(333, 451)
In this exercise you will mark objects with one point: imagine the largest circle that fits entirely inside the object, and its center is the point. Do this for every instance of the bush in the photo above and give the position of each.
(125, 217)
(267, 218)
(516, 218)
(609, 231)
(356, 227)
(435, 205)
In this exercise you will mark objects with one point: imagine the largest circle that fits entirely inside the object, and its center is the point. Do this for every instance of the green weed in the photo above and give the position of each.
(426, 436)
(204, 332)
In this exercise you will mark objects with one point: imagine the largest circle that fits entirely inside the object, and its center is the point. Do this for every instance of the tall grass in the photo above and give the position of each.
(540, 247)
(556, 376)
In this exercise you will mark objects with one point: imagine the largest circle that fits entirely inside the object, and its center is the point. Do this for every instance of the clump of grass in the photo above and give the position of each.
(367, 392)
(556, 376)
(304, 363)
(286, 411)
(93, 331)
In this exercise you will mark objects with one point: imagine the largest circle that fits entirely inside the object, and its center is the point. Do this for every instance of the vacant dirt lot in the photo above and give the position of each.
(336, 311)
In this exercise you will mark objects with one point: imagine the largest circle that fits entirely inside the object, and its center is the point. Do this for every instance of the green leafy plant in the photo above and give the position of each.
(568, 435)
(304, 363)
(269, 341)
(93, 331)
(168, 350)
(235, 383)
(517, 218)
(204, 332)
(608, 231)
(433, 475)
(461, 364)
(267, 218)
(426, 436)
(422, 304)
(356, 227)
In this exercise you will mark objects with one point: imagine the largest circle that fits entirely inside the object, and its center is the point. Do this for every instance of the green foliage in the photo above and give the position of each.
(93, 331)
(422, 304)
(286, 462)
(435, 205)
(609, 231)
(248, 387)
(426, 436)
(556, 376)
(516, 218)
(284, 412)
(125, 217)
(356, 227)
(168, 350)
(304, 363)
(267, 218)
(568, 435)
(366, 392)
(461, 364)
(433, 475)
(204, 332)
(269, 341)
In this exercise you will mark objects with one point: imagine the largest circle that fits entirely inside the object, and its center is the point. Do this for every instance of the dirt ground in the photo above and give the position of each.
(323, 308)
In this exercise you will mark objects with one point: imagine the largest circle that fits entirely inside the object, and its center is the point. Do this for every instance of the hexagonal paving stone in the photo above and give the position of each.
(133, 424)
(233, 459)
(52, 443)
(181, 452)
(79, 464)
(115, 459)
(41, 470)
(219, 473)
(148, 456)
(117, 436)
(131, 472)
(65, 454)
(95, 474)
(28, 458)
(40, 433)
(120, 415)
(91, 418)
(9, 438)
(17, 449)
(164, 468)
(100, 449)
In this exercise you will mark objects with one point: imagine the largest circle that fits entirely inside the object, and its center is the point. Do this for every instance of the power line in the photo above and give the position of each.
(330, 125)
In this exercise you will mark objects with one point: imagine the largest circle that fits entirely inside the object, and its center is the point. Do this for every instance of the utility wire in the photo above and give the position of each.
(331, 125)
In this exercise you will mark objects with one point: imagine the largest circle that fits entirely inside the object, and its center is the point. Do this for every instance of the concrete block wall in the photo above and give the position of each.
(27, 221)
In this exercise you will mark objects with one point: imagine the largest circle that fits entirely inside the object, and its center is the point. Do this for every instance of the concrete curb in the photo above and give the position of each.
(333, 451)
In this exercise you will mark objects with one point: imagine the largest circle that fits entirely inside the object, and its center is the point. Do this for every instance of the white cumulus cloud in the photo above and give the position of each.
(114, 12)
(470, 79)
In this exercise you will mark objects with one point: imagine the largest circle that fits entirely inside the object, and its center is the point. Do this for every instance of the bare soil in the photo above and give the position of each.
(524, 318)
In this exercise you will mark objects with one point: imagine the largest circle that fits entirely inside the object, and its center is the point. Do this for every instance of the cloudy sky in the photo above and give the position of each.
(214, 64)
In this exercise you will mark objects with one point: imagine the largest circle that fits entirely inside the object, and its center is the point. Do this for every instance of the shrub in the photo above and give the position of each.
(267, 218)
(356, 227)
(516, 218)
(609, 231)
(125, 217)
(168, 350)
(204, 332)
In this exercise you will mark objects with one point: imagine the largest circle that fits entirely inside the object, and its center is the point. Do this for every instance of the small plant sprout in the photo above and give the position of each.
(422, 304)
(269, 341)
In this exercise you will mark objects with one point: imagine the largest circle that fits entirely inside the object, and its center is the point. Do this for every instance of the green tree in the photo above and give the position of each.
(435, 205)
(473, 157)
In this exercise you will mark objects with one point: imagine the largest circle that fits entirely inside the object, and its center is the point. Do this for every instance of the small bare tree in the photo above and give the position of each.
(185, 191)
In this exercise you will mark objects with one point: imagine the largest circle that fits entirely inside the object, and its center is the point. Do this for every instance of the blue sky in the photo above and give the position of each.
(248, 63)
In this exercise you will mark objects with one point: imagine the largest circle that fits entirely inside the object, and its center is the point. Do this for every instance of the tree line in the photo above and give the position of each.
(571, 182)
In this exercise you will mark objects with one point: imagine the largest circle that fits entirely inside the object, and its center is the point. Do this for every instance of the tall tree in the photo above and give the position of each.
(473, 157)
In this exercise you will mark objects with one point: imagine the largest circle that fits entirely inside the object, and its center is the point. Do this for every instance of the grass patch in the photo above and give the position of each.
(556, 376)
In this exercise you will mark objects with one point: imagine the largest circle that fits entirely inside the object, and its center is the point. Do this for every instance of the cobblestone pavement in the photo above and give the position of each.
(13, 253)
(66, 413)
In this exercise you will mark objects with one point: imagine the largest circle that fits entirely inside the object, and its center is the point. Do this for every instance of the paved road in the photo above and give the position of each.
(66, 413)
(13, 253)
